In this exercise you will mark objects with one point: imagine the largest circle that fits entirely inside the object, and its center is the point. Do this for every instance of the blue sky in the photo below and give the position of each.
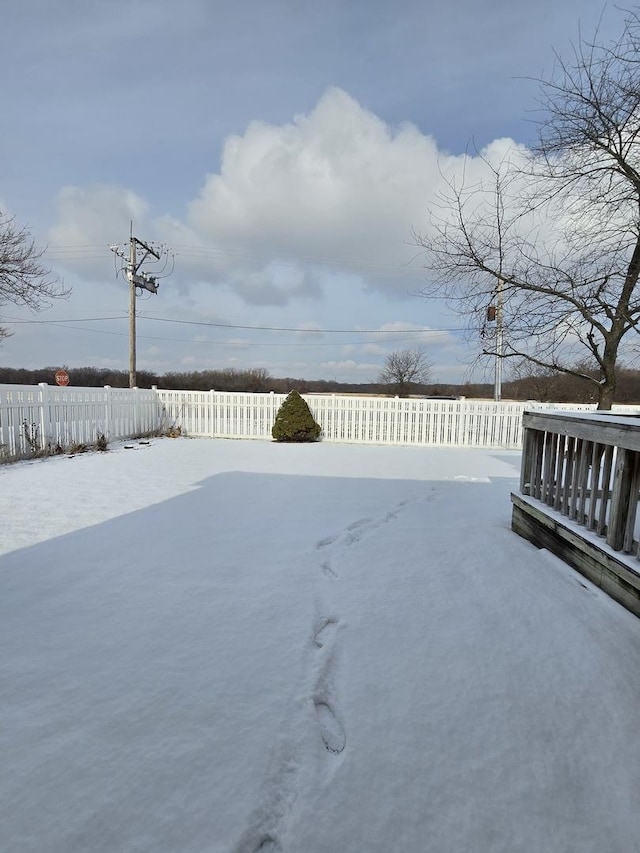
(283, 151)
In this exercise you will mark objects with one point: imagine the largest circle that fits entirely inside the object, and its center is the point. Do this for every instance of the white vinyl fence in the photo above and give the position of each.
(43, 418)
(365, 420)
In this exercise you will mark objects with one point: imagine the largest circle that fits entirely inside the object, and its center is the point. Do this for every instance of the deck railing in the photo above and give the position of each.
(579, 491)
(587, 467)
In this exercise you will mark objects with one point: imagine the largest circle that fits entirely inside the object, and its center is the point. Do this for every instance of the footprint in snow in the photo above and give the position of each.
(331, 729)
(359, 523)
(328, 571)
(354, 532)
(325, 631)
(267, 845)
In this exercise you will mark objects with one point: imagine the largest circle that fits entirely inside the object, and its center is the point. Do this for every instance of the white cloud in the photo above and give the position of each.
(349, 366)
(368, 349)
(337, 190)
(419, 336)
(309, 331)
(274, 285)
(318, 212)
(94, 214)
(337, 185)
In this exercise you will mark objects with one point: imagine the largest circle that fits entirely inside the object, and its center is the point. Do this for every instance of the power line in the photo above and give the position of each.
(249, 328)
(72, 320)
(218, 253)
(77, 252)
(303, 330)
(228, 343)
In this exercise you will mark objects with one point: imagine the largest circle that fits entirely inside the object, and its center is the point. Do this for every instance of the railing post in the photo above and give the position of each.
(527, 456)
(620, 498)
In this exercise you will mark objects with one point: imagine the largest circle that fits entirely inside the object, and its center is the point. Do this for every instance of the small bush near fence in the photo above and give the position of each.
(294, 421)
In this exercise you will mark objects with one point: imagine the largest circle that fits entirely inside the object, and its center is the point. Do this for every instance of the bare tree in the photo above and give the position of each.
(404, 368)
(24, 279)
(534, 382)
(543, 259)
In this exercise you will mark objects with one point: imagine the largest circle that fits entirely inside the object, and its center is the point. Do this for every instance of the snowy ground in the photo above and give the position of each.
(236, 647)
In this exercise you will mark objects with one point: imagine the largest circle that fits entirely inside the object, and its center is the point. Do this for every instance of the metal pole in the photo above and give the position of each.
(131, 269)
(497, 394)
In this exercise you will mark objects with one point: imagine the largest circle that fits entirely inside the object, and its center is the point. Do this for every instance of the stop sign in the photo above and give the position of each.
(62, 377)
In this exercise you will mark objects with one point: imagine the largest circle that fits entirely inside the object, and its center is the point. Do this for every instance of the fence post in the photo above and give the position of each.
(44, 402)
(333, 432)
(393, 426)
(157, 410)
(212, 412)
(108, 411)
(272, 412)
(133, 398)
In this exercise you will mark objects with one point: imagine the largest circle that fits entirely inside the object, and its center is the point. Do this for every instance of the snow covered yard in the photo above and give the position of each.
(235, 647)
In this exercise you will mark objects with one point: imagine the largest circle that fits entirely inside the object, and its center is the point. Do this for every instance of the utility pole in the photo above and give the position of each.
(131, 269)
(495, 315)
(497, 392)
(136, 280)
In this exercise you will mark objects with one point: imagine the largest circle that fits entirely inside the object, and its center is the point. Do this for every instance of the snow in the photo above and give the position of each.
(232, 646)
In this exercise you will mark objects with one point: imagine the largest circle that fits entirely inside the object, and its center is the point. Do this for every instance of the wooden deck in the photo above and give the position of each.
(579, 489)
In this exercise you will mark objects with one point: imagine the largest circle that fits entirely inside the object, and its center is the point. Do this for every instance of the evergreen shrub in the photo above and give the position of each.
(294, 421)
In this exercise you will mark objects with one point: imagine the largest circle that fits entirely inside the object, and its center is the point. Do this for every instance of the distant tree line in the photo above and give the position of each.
(227, 379)
(533, 382)
(528, 382)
